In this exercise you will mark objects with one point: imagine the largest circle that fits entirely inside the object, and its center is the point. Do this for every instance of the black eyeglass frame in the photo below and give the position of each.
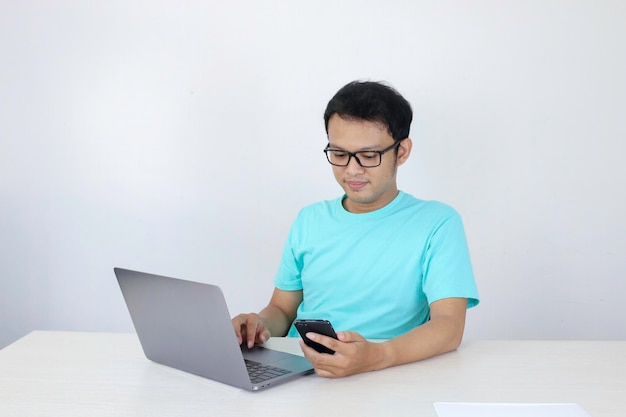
(355, 155)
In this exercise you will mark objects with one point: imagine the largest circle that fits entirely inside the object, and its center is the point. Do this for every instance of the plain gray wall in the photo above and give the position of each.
(182, 138)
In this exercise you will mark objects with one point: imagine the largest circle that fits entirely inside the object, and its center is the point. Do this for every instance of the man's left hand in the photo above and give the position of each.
(353, 355)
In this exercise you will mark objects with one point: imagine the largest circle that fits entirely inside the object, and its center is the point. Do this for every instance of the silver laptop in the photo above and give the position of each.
(186, 325)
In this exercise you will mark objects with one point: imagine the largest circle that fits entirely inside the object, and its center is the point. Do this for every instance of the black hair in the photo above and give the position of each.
(372, 101)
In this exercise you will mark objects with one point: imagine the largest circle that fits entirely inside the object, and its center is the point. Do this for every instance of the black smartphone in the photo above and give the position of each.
(316, 326)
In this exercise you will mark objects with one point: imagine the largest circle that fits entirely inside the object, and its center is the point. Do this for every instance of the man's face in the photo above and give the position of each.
(367, 189)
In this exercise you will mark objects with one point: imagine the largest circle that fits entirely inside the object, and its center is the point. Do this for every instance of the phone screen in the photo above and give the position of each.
(316, 326)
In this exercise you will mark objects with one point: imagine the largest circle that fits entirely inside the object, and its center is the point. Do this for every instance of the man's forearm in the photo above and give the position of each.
(442, 333)
(430, 339)
(276, 321)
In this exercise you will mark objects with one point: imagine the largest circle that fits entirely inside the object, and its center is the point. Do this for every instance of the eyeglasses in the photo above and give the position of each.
(366, 159)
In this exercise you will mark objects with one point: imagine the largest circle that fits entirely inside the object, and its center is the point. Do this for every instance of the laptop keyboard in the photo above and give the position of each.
(259, 372)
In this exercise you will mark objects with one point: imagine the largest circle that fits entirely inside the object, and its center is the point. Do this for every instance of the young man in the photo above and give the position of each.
(377, 262)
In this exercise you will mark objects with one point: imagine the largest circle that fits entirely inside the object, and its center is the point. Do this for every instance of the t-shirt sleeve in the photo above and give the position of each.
(447, 266)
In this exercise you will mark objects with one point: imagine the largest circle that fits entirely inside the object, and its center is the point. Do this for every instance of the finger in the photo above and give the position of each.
(327, 341)
(251, 331)
(305, 349)
(263, 334)
(311, 354)
(316, 358)
(349, 337)
(237, 327)
(325, 373)
(244, 334)
(327, 366)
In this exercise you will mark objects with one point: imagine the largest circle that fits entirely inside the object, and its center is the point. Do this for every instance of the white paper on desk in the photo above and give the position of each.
(509, 410)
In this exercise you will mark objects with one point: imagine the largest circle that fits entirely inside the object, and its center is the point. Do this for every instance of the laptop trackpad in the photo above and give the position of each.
(263, 355)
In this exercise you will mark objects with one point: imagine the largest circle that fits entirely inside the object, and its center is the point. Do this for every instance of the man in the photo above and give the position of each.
(377, 262)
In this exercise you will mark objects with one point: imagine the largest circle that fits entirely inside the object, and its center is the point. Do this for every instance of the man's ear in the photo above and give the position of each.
(404, 150)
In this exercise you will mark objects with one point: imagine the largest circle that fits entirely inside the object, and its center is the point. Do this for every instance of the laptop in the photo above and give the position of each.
(186, 325)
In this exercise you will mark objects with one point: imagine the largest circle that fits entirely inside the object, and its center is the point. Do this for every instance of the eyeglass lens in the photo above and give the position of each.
(364, 158)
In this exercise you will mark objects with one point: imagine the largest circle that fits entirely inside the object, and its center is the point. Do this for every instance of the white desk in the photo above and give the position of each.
(105, 374)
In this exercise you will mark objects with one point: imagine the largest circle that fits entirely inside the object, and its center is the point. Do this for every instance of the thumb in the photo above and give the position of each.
(349, 337)
(264, 336)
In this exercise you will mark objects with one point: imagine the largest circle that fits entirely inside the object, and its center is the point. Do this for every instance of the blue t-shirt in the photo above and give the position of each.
(376, 273)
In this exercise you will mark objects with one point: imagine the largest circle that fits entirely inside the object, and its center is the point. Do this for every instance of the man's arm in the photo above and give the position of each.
(353, 354)
(273, 320)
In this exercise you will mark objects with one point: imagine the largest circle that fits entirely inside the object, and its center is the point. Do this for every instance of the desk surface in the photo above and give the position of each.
(106, 374)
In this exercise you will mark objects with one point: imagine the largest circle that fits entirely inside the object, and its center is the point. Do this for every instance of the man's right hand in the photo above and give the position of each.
(274, 319)
(250, 328)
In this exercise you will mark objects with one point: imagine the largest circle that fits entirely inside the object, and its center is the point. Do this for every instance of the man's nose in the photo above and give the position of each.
(354, 166)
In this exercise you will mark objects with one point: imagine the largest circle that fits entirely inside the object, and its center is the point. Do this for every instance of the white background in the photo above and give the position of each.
(182, 138)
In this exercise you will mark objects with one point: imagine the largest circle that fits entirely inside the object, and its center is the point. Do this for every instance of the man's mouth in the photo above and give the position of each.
(356, 185)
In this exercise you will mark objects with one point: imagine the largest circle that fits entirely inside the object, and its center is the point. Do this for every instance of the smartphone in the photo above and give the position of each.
(316, 326)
